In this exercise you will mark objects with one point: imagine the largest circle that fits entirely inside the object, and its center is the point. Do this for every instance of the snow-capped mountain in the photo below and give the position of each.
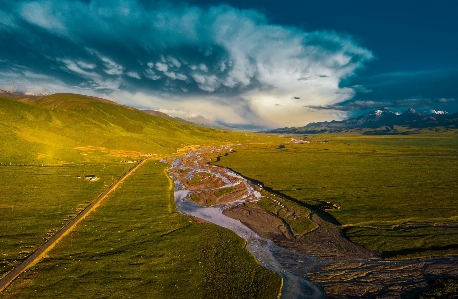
(381, 119)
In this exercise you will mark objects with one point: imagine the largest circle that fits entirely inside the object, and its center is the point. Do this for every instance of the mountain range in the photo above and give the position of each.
(380, 121)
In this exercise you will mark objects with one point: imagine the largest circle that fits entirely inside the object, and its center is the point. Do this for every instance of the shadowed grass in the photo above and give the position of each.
(379, 182)
(442, 288)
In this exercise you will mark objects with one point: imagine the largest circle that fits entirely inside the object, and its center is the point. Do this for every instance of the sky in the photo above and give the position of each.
(259, 63)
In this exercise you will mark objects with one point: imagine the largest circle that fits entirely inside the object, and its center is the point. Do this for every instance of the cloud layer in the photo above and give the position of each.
(227, 64)
(371, 105)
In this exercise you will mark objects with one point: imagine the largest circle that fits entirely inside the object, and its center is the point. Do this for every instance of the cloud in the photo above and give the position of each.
(151, 75)
(162, 67)
(365, 105)
(361, 89)
(224, 63)
(134, 75)
(43, 15)
(111, 67)
(84, 65)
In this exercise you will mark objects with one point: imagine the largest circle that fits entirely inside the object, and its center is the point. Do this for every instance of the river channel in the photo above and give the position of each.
(335, 275)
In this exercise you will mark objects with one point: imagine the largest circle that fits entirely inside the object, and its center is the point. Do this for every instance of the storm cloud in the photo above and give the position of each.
(226, 64)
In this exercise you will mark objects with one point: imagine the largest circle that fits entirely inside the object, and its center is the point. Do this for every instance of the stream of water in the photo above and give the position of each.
(342, 275)
(266, 252)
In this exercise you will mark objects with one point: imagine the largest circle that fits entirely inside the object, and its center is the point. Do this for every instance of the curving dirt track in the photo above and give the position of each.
(48, 245)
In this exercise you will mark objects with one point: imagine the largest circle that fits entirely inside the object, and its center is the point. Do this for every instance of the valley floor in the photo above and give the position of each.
(323, 254)
(341, 217)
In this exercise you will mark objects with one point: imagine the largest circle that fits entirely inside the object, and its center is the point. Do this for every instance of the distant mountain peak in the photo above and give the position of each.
(381, 121)
(438, 112)
(202, 120)
(411, 111)
(199, 119)
(380, 112)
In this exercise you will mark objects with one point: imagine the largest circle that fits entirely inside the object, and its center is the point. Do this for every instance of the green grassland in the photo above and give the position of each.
(47, 142)
(58, 128)
(223, 191)
(136, 245)
(379, 182)
(37, 201)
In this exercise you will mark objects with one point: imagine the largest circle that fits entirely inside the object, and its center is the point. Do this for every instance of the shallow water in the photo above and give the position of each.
(265, 251)
(342, 275)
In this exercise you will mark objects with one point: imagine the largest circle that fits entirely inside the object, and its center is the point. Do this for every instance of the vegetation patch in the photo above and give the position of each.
(195, 198)
(38, 200)
(442, 288)
(195, 180)
(223, 191)
(64, 128)
(378, 182)
(410, 242)
(295, 215)
(137, 245)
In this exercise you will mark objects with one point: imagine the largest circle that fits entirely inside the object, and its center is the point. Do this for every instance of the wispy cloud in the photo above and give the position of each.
(364, 105)
(227, 64)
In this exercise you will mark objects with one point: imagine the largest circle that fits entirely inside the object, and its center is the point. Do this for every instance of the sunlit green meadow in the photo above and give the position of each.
(379, 182)
(36, 201)
(136, 245)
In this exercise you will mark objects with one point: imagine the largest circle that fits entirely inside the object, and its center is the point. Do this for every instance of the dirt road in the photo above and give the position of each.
(48, 245)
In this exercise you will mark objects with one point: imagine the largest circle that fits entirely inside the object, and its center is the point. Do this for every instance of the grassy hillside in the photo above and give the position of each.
(48, 145)
(68, 127)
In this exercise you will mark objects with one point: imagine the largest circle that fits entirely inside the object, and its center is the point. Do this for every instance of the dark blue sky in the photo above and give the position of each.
(414, 44)
(403, 34)
(270, 63)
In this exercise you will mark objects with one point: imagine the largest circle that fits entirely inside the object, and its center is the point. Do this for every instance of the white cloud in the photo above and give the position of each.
(206, 82)
(133, 75)
(181, 77)
(203, 67)
(151, 74)
(111, 67)
(84, 65)
(171, 75)
(93, 79)
(162, 67)
(75, 67)
(43, 15)
(174, 61)
(198, 78)
(174, 113)
(233, 64)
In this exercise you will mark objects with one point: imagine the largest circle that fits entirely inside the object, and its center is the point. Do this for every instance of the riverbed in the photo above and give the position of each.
(337, 267)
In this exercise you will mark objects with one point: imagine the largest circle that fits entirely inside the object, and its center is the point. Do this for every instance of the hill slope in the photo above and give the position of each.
(69, 127)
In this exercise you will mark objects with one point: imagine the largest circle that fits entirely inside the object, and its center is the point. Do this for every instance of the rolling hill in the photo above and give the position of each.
(69, 127)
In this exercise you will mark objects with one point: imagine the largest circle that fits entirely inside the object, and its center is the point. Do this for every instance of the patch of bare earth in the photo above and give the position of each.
(323, 255)
(114, 152)
(264, 223)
